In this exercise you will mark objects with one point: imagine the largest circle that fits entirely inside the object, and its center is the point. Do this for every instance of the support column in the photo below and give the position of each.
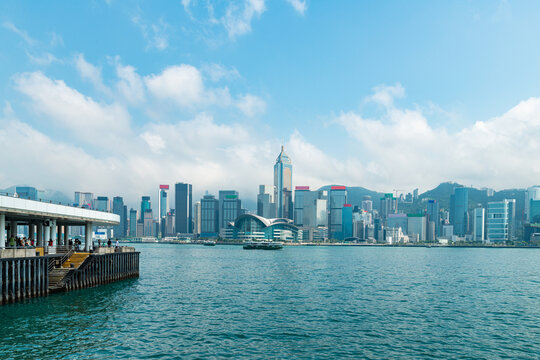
(60, 237)
(87, 236)
(39, 240)
(2, 232)
(66, 234)
(46, 235)
(31, 231)
(13, 228)
(53, 231)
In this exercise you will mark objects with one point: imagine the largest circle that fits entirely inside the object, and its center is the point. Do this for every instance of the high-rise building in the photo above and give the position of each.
(534, 212)
(120, 209)
(209, 216)
(310, 207)
(102, 203)
(347, 221)
(148, 223)
(184, 209)
(163, 207)
(229, 207)
(145, 205)
(337, 199)
(416, 227)
(299, 197)
(133, 222)
(283, 184)
(478, 224)
(501, 217)
(459, 206)
(433, 216)
(30, 193)
(532, 194)
(367, 204)
(266, 205)
(84, 199)
(169, 223)
(388, 206)
(197, 218)
(398, 221)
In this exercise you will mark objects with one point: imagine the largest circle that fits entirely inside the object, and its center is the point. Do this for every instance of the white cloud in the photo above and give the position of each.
(237, 19)
(44, 59)
(251, 105)
(130, 84)
(91, 73)
(184, 85)
(299, 5)
(402, 148)
(68, 108)
(23, 34)
(217, 72)
(155, 34)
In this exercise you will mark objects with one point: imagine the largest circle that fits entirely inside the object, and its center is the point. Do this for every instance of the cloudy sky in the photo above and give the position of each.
(116, 97)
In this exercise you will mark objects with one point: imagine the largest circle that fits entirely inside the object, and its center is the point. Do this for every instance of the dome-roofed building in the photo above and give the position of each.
(250, 226)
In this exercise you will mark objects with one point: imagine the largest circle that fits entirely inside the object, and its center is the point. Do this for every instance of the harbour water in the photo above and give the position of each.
(193, 301)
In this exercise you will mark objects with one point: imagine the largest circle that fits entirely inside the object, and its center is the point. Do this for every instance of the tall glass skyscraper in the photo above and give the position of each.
(433, 216)
(184, 211)
(119, 209)
(209, 216)
(501, 220)
(337, 199)
(145, 205)
(459, 206)
(163, 207)
(283, 184)
(229, 207)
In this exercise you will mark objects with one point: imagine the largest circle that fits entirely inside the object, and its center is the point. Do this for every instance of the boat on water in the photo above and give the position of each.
(263, 245)
(209, 243)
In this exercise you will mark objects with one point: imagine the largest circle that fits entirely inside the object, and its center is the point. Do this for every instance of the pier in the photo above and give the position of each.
(28, 272)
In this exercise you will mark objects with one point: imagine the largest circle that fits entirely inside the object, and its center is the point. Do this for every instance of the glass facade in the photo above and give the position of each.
(209, 216)
(459, 206)
(500, 221)
(184, 211)
(283, 184)
(229, 207)
(347, 221)
(337, 199)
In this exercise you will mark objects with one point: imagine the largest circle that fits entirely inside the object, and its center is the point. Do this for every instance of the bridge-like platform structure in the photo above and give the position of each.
(27, 272)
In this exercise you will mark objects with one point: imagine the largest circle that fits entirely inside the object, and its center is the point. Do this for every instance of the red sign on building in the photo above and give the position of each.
(164, 187)
(338, 187)
(302, 188)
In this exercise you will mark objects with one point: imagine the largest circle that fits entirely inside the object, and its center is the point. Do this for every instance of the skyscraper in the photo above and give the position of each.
(459, 206)
(388, 206)
(347, 221)
(145, 205)
(84, 199)
(501, 217)
(310, 207)
(478, 224)
(132, 222)
(532, 193)
(266, 206)
(163, 207)
(197, 218)
(184, 211)
(283, 184)
(209, 216)
(337, 199)
(102, 203)
(229, 207)
(118, 209)
(433, 216)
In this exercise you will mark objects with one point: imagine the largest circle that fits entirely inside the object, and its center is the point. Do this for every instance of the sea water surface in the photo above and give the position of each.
(193, 301)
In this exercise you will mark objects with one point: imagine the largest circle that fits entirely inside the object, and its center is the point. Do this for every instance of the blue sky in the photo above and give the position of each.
(115, 97)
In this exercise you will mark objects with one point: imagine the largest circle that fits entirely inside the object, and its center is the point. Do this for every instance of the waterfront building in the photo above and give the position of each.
(501, 221)
(398, 221)
(133, 222)
(310, 207)
(459, 206)
(367, 204)
(396, 236)
(416, 226)
(230, 207)
(337, 198)
(163, 207)
(184, 208)
(84, 199)
(299, 204)
(433, 216)
(478, 224)
(347, 221)
(209, 216)
(145, 205)
(170, 222)
(102, 204)
(29, 193)
(197, 218)
(253, 227)
(534, 211)
(531, 194)
(148, 223)
(283, 185)
(120, 209)
(266, 206)
(389, 205)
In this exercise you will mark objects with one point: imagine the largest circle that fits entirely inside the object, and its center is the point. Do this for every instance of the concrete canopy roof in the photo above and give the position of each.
(17, 209)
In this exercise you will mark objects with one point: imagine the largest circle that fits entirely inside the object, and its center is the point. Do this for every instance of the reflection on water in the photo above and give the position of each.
(195, 301)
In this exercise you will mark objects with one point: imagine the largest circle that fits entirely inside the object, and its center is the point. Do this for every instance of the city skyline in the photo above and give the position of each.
(112, 117)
